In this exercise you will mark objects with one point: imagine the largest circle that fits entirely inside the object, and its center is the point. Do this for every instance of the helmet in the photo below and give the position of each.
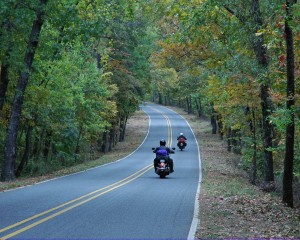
(162, 142)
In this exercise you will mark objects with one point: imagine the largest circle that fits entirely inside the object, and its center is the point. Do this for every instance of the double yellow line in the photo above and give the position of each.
(56, 211)
(169, 143)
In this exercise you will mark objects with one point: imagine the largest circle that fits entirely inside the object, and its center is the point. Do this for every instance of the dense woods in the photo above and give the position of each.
(73, 71)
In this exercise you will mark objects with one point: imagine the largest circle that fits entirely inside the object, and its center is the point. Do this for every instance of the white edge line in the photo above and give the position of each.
(196, 219)
(48, 180)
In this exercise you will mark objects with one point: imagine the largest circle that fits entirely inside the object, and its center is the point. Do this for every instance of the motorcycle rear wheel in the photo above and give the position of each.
(162, 175)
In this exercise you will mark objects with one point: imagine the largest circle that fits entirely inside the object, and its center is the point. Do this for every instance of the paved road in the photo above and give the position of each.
(122, 200)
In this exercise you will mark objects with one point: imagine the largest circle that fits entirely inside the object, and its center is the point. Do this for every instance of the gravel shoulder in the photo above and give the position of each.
(230, 207)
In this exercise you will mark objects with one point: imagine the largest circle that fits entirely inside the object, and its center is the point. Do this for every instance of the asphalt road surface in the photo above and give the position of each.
(121, 200)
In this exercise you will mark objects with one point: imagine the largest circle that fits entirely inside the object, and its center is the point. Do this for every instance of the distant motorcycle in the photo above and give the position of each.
(162, 168)
(181, 144)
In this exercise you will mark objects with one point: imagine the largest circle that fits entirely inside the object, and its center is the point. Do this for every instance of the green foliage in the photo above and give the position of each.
(97, 60)
(211, 45)
(90, 72)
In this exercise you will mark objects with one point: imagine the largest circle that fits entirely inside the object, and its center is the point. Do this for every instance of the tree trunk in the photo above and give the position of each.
(7, 25)
(267, 136)
(254, 157)
(261, 54)
(25, 157)
(38, 144)
(213, 120)
(160, 100)
(287, 195)
(123, 129)
(77, 147)
(12, 131)
(111, 138)
(199, 107)
(3, 84)
(47, 144)
(220, 126)
(190, 107)
(98, 56)
(229, 139)
(105, 143)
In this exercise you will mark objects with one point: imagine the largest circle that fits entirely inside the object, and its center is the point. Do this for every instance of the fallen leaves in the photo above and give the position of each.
(232, 208)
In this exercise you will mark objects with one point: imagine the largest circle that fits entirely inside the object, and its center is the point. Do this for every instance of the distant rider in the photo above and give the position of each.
(162, 146)
(181, 136)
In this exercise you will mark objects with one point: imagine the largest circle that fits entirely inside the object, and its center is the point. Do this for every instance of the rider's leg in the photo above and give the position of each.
(171, 163)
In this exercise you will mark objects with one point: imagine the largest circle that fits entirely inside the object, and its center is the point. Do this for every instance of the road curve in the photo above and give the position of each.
(121, 200)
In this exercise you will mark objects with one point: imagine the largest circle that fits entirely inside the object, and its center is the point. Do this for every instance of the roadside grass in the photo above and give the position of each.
(137, 128)
(21, 182)
(226, 186)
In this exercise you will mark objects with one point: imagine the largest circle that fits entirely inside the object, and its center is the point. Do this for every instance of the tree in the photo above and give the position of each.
(238, 48)
(290, 90)
(11, 144)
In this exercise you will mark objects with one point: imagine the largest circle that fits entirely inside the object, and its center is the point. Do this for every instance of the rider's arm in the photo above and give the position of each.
(170, 150)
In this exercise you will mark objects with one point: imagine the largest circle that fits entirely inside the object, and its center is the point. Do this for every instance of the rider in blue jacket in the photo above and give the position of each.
(162, 146)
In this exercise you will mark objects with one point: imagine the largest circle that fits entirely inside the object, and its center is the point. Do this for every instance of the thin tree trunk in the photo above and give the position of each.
(38, 144)
(160, 101)
(77, 146)
(213, 120)
(3, 84)
(105, 143)
(25, 157)
(47, 145)
(12, 131)
(267, 136)
(111, 138)
(261, 53)
(254, 157)
(4, 69)
(199, 107)
(123, 129)
(169, 99)
(190, 105)
(7, 25)
(287, 195)
(229, 139)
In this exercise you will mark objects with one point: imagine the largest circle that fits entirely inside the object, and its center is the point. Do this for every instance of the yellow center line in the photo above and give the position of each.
(109, 187)
(168, 124)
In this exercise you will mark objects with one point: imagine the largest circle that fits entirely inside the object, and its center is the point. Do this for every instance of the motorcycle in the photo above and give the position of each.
(181, 144)
(162, 168)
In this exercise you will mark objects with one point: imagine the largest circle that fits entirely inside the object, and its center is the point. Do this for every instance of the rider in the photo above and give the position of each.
(181, 136)
(162, 146)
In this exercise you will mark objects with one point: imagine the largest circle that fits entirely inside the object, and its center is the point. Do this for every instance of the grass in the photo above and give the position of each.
(137, 128)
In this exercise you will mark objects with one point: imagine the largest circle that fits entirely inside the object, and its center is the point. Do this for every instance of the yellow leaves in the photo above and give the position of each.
(5, 115)
(187, 53)
(110, 112)
(277, 97)
(257, 34)
(230, 93)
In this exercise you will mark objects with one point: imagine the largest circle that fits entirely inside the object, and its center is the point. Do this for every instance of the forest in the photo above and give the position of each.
(74, 71)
